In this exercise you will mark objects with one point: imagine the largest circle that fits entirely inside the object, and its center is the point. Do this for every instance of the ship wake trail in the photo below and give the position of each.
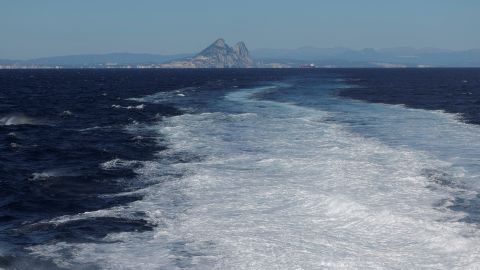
(276, 186)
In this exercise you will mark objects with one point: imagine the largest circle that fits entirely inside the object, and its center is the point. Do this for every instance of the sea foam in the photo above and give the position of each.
(276, 186)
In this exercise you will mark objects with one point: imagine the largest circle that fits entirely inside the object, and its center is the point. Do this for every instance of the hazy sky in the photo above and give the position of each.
(36, 28)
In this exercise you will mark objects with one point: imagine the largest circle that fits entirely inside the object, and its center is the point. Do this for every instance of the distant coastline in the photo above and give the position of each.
(221, 55)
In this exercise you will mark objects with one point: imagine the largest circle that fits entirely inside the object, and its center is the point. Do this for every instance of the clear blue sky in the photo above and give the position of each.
(36, 28)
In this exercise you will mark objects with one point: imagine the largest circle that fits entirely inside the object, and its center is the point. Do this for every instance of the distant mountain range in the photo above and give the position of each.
(221, 55)
(390, 57)
(86, 60)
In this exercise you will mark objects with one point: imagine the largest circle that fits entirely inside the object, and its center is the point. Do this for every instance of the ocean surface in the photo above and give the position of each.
(240, 169)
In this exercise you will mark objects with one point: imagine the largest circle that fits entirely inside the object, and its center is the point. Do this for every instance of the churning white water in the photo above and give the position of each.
(277, 186)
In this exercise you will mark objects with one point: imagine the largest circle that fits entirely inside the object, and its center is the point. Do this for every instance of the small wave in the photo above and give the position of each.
(18, 119)
(66, 113)
(117, 163)
(138, 107)
(45, 175)
(41, 176)
(186, 89)
(94, 128)
(15, 145)
(165, 96)
(90, 128)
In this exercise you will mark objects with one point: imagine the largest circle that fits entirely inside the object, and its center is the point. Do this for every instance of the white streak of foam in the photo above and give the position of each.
(167, 96)
(119, 164)
(130, 107)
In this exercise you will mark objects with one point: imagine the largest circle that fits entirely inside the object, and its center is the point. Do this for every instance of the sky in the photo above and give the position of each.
(34, 28)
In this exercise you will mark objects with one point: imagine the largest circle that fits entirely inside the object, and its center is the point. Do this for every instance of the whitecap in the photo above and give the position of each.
(66, 113)
(15, 145)
(117, 163)
(138, 107)
(165, 96)
(53, 173)
(18, 119)
(130, 107)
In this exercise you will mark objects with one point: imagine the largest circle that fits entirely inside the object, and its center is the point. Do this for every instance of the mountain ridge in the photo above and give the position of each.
(217, 55)
(76, 60)
(369, 57)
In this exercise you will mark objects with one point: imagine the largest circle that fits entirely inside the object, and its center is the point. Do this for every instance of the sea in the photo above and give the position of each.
(240, 169)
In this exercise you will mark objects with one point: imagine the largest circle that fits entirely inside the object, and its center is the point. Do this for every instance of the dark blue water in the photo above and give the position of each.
(60, 129)
(450, 90)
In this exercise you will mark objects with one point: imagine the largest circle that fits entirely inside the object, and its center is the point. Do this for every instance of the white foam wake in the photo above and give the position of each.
(277, 187)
